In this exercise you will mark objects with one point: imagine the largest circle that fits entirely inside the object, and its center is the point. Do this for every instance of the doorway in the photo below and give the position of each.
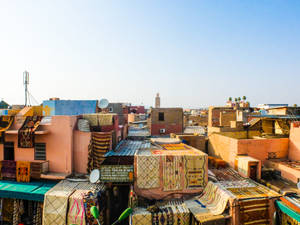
(9, 151)
(253, 172)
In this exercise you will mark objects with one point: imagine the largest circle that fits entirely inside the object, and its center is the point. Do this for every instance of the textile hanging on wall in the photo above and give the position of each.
(172, 172)
(18, 211)
(254, 211)
(194, 170)
(148, 171)
(8, 169)
(37, 213)
(5, 123)
(89, 200)
(100, 144)
(26, 132)
(23, 171)
(35, 170)
(8, 210)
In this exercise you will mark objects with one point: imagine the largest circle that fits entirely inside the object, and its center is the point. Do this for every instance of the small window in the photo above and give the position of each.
(161, 116)
(111, 109)
(40, 151)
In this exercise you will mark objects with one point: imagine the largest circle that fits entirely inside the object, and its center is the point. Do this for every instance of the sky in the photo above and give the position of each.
(194, 53)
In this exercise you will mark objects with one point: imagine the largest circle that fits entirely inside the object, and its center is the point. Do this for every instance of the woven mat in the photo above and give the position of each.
(194, 171)
(148, 171)
(254, 211)
(172, 173)
(23, 171)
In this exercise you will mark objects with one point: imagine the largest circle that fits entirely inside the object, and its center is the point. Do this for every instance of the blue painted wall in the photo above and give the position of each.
(70, 107)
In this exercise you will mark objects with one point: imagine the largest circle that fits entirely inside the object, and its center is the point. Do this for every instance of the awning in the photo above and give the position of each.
(33, 191)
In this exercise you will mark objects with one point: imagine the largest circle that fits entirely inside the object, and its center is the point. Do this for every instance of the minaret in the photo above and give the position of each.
(157, 101)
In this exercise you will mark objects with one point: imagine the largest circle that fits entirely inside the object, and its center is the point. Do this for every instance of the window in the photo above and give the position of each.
(9, 151)
(111, 109)
(40, 151)
(161, 116)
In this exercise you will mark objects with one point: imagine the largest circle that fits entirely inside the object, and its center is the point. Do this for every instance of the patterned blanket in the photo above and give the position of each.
(23, 171)
(210, 205)
(5, 123)
(99, 145)
(26, 132)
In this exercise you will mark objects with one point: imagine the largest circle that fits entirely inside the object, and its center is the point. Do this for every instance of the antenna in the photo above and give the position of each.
(26, 83)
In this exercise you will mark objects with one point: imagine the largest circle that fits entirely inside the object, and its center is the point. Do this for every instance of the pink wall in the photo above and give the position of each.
(223, 147)
(80, 156)
(59, 144)
(294, 143)
(259, 148)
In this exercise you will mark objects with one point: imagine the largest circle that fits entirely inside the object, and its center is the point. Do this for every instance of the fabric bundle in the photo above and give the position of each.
(35, 170)
(26, 132)
(23, 171)
(100, 144)
(8, 169)
(175, 214)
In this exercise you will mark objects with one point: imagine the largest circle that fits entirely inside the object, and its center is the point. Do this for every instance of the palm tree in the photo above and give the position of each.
(244, 98)
(239, 99)
(230, 99)
(235, 99)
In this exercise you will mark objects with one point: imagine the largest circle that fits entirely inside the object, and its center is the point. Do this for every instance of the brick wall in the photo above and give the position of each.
(172, 123)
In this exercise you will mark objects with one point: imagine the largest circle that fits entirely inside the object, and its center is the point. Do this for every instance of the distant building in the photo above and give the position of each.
(268, 106)
(3, 105)
(163, 121)
(157, 101)
(137, 109)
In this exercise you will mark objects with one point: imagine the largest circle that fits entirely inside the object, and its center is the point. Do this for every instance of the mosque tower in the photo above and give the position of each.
(157, 101)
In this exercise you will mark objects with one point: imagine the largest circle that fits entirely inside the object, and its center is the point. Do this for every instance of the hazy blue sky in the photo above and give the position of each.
(194, 53)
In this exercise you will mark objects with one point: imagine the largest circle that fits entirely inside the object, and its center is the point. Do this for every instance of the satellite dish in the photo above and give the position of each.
(103, 103)
(94, 176)
(298, 185)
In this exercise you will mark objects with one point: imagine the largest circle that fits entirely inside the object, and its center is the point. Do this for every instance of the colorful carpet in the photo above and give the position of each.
(194, 170)
(254, 211)
(180, 146)
(5, 123)
(172, 172)
(253, 192)
(8, 170)
(23, 171)
(26, 132)
(166, 215)
(210, 205)
(99, 145)
(148, 171)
